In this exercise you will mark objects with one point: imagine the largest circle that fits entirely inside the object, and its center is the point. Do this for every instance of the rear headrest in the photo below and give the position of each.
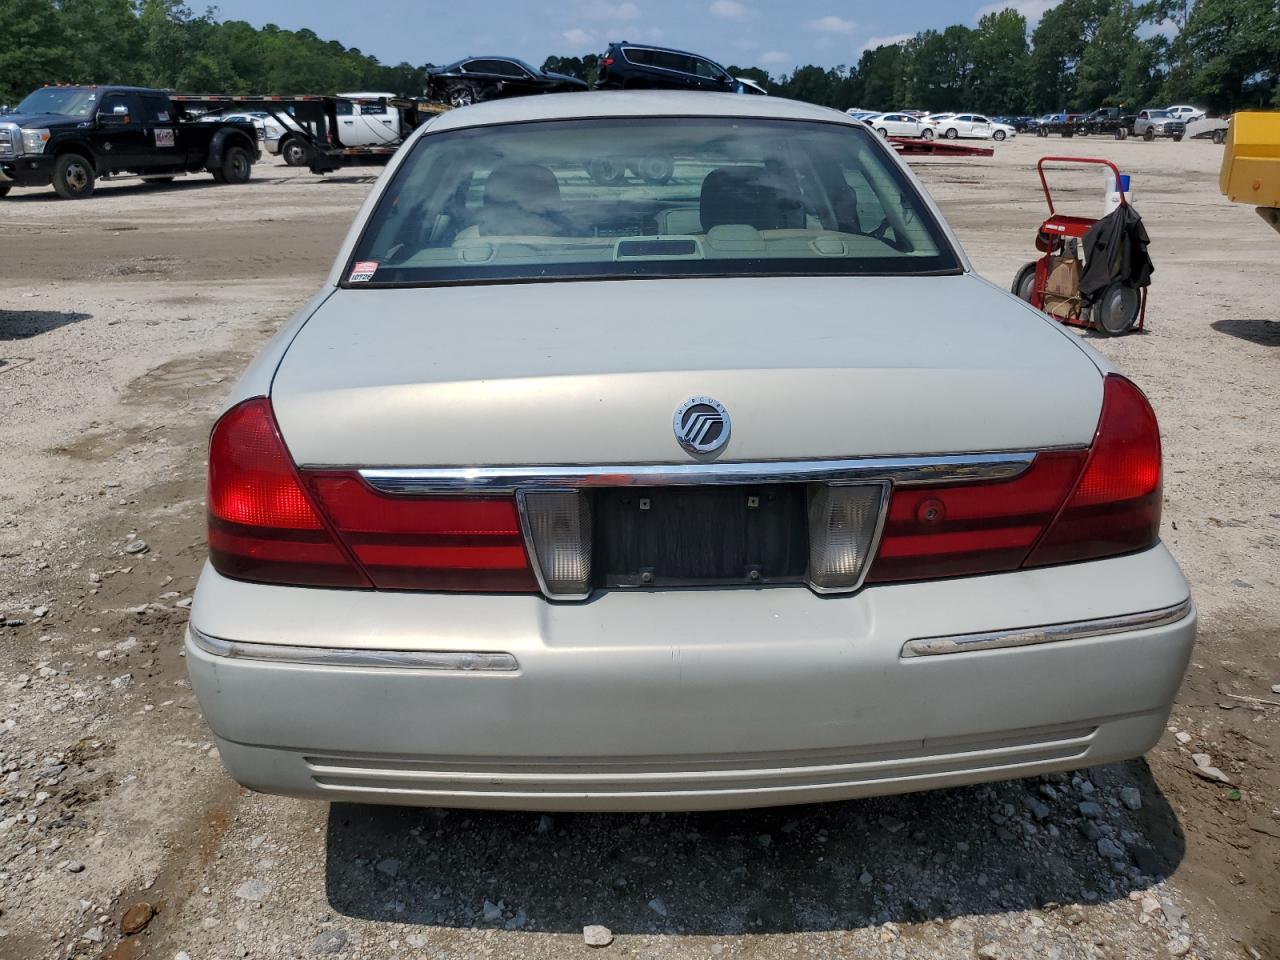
(749, 196)
(521, 199)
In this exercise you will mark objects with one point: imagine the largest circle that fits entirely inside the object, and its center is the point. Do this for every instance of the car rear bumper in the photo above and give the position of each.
(685, 699)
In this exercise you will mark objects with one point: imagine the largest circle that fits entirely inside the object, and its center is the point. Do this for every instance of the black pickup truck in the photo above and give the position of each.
(1112, 120)
(72, 136)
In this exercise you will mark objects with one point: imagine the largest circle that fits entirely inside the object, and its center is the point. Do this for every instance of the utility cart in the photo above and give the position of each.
(1052, 283)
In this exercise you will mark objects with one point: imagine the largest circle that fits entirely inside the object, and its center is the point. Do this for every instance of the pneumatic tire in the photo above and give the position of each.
(1116, 311)
(1148, 134)
(1219, 136)
(295, 153)
(952, 133)
(998, 136)
(883, 132)
(237, 166)
(73, 177)
(1041, 132)
(1025, 282)
(1177, 138)
(463, 95)
(927, 133)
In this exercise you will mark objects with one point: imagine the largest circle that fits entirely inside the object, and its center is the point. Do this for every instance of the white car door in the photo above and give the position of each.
(380, 122)
(981, 127)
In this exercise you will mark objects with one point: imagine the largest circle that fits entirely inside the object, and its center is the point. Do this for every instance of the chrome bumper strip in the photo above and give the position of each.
(899, 470)
(1030, 636)
(463, 662)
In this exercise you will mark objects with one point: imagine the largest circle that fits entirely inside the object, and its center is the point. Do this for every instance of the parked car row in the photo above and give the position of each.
(952, 126)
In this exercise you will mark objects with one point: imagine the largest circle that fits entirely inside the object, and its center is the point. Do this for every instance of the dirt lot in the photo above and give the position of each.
(124, 321)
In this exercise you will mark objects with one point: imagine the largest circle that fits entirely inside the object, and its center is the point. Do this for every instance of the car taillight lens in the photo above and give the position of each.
(262, 524)
(607, 62)
(934, 532)
(272, 524)
(1068, 506)
(1115, 507)
(428, 543)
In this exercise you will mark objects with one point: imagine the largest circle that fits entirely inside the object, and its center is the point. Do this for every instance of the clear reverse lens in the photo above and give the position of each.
(842, 527)
(559, 530)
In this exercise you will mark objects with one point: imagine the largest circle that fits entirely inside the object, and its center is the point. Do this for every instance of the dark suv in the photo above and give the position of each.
(635, 66)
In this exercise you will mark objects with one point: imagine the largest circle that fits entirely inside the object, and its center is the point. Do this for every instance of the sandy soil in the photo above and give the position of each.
(125, 320)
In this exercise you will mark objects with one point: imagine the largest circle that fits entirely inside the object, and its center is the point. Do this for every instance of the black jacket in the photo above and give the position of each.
(1115, 250)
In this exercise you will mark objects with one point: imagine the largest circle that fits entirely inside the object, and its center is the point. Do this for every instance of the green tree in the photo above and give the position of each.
(1001, 63)
(1232, 52)
(1115, 67)
(1058, 44)
(33, 50)
(882, 73)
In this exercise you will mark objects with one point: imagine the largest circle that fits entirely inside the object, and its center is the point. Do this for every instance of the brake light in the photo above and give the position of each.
(428, 543)
(955, 531)
(262, 524)
(1068, 506)
(607, 62)
(269, 523)
(1115, 508)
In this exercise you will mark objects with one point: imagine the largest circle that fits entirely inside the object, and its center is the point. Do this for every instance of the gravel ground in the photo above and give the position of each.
(126, 318)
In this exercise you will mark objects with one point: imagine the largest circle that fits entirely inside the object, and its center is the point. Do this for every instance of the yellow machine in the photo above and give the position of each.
(1251, 163)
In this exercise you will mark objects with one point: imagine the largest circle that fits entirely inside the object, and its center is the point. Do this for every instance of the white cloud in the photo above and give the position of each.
(831, 24)
(728, 10)
(600, 10)
(1033, 10)
(773, 58)
(579, 37)
(897, 38)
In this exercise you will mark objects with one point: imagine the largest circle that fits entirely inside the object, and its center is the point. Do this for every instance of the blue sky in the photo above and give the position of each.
(775, 36)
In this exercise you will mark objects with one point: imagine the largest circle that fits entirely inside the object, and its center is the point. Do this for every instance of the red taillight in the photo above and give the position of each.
(428, 543)
(262, 524)
(1115, 508)
(1067, 506)
(271, 524)
(976, 528)
(607, 62)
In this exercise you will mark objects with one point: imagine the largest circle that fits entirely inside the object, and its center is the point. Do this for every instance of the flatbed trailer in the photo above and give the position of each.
(938, 148)
(314, 119)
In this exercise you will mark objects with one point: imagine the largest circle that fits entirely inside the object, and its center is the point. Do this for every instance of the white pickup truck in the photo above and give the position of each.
(364, 120)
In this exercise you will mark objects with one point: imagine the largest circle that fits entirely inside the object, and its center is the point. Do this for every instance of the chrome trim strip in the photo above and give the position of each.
(1052, 633)
(462, 662)
(899, 470)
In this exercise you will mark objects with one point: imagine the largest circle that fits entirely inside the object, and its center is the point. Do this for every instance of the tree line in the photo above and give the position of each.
(1221, 54)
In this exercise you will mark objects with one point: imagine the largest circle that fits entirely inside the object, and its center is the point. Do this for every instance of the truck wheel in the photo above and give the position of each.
(73, 177)
(295, 152)
(1219, 136)
(1119, 133)
(655, 169)
(1148, 134)
(1177, 138)
(1041, 132)
(236, 166)
(606, 171)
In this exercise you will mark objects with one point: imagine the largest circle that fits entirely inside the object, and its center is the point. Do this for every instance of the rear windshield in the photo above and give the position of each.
(647, 197)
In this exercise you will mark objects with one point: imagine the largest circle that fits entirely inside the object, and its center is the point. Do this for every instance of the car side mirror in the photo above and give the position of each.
(119, 116)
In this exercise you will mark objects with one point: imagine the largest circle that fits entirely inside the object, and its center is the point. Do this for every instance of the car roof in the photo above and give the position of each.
(657, 46)
(631, 103)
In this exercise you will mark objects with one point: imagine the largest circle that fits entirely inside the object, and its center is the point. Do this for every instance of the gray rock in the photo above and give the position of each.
(658, 907)
(93, 935)
(390, 866)
(492, 911)
(991, 951)
(1275, 688)
(1111, 849)
(1183, 737)
(1131, 797)
(330, 941)
(1179, 946)
(73, 866)
(136, 546)
(1090, 809)
(1039, 809)
(594, 935)
(865, 878)
(255, 890)
(518, 921)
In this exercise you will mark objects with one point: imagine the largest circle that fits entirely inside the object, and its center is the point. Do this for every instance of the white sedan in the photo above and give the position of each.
(846, 520)
(899, 125)
(1185, 112)
(973, 125)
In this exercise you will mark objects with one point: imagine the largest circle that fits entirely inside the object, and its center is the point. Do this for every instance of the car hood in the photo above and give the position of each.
(42, 119)
(592, 372)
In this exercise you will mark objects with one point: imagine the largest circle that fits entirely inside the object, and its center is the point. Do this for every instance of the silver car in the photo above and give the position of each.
(734, 487)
